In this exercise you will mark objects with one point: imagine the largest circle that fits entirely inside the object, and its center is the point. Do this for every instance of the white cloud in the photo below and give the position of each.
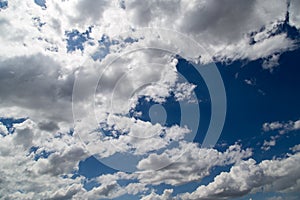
(184, 91)
(272, 126)
(88, 11)
(271, 62)
(294, 13)
(248, 176)
(192, 162)
(3, 129)
(222, 32)
(55, 171)
(296, 148)
(109, 187)
(282, 127)
(223, 29)
(166, 195)
(18, 164)
(268, 144)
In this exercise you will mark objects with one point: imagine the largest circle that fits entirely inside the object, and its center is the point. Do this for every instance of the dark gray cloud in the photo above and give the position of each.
(89, 10)
(36, 83)
(227, 20)
(48, 126)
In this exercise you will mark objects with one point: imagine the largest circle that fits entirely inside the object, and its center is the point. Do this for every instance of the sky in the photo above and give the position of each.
(158, 99)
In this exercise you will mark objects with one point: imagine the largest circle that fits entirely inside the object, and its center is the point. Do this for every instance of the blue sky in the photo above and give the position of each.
(149, 99)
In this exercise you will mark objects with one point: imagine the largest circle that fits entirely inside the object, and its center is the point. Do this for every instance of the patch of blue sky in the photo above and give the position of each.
(42, 154)
(3, 4)
(9, 122)
(33, 149)
(125, 182)
(128, 197)
(191, 74)
(90, 184)
(91, 168)
(71, 132)
(130, 40)
(76, 40)
(104, 45)
(41, 3)
(171, 106)
(248, 109)
(110, 131)
(283, 145)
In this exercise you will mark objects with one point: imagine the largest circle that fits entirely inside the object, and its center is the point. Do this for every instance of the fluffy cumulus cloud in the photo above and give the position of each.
(249, 176)
(193, 163)
(228, 30)
(82, 54)
(39, 167)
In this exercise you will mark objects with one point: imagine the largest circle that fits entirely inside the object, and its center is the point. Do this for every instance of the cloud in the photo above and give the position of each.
(38, 159)
(48, 126)
(110, 188)
(28, 40)
(166, 195)
(188, 163)
(271, 62)
(105, 190)
(295, 148)
(282, 127)
(24, 134)
(37, 74)
(248, 176)
(191, 161)
(36, 87)
(268, 144)
(3, 129)
(294, 14)
(60, 162)
(68, 192)
(224, 29)
(91, 10)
